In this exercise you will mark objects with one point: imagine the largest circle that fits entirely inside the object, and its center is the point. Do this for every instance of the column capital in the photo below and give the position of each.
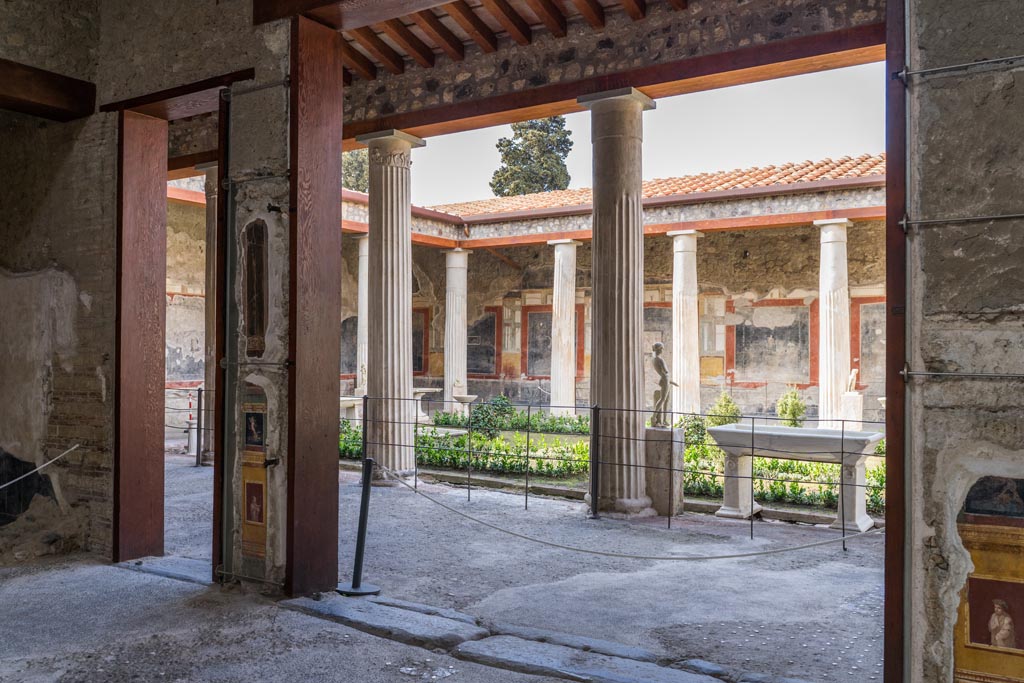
(625, 94)
(575, 243)
(838, 222)
(680, 233)
(391, 134)
(456, 258)
(833, 229)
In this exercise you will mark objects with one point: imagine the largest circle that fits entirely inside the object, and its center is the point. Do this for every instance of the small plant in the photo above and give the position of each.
(350, 441)
(791, 408)
(724, 412)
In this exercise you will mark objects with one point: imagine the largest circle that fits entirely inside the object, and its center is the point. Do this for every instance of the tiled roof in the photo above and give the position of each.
(764, 176)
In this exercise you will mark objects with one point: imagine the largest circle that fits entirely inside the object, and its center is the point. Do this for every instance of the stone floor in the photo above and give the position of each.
(814, 614)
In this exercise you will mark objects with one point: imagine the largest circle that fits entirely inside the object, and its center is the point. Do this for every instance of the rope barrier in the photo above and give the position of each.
(626, 556)
(49, 462)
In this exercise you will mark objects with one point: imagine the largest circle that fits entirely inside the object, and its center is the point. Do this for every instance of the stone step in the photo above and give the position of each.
(425, 609)
(547, 659)
(406, 626)
(173, 567)
(603, 647)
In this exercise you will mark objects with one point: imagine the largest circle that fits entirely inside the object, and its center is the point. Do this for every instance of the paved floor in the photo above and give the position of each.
(813, 614)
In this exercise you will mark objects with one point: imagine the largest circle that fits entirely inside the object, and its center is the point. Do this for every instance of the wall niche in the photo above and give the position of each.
(254, 283)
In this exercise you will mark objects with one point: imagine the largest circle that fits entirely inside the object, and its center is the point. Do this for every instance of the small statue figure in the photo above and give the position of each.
(1000, 626)
(662, 396)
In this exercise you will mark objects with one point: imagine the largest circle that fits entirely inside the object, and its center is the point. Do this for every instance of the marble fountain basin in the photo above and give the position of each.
(797, 443)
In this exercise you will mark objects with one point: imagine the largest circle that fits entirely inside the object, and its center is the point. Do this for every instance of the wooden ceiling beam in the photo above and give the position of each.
(592, 11)
(636, 9)
(358, 62)
(550, 15)
(479, 31)
(510, 20)
(28, 90)
(407, 40)
(381, 51)
(679, 4)
(440, 34)
(340, 15)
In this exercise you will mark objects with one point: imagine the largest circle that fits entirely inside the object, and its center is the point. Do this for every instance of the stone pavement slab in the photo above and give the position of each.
(604, 647)
(412, 628)
(424, 609)
(171, 567)
(547, 659)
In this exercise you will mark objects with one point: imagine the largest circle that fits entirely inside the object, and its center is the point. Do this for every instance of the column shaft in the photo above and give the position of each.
(362, 314)
(389, 279)
(210, 360)
(563, 329)
(834, 322)
(618, 270)
(455, 322)
(685, 327)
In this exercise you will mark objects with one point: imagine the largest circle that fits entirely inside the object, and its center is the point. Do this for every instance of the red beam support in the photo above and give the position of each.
(314, 325)
(28, 90)
(139, 358)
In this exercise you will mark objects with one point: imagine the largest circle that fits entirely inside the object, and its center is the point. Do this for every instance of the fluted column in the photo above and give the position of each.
(834, 321)
(455, 306)
(617, 371)
(362, 314)
(563, 329)
(685, 327)
(389, 280)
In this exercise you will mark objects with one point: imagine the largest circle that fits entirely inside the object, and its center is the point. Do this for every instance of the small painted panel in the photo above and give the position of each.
(481, 346)
(349, 341)
(419, 341)
(773, 345)
(254, 472)
(872, 344)
(538, 358)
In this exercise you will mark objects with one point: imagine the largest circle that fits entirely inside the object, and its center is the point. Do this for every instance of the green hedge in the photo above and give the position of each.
(499, 415)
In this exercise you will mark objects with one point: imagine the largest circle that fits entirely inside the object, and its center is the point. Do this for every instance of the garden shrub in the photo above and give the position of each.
(724, 412)
(791, 408)
(500, 415)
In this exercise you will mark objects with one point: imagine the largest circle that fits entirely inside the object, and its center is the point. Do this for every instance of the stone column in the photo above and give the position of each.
(362, 315)
(685, 327)
(617, 370)
(455, 323)
(563, 329)
(834, 321)
(211, 315)
(389, 304)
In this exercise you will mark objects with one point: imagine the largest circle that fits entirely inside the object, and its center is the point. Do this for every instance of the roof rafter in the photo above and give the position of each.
(357, 62)
(592, 11)
(381, 51)
(509, 20)
(479, 31)
(550, 15)
(408, 41)
(440, 34)
(636, 9)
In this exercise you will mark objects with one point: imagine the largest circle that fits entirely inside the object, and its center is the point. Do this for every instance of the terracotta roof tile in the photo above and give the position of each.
(765, 176)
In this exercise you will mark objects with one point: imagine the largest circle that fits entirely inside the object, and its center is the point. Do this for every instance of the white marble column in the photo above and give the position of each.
(392, 412)
(834, 321)
(563, 329)
(617, 370)
(685, 325)
(455, 306)
(362, 315)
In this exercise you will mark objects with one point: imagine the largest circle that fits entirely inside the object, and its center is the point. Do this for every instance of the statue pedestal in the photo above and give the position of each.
(664, 450)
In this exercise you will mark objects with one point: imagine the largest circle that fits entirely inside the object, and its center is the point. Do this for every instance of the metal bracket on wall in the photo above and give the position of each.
(224, 363)
(1007, 62)
(907, 222)
(229, 182)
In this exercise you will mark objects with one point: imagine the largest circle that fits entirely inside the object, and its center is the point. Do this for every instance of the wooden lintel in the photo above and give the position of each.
(179, 102)
(185, 165)
(504, 259)
(180, 195)
(28, 90)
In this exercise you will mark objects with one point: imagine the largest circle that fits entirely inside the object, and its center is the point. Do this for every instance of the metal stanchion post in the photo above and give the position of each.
(365, 420)
(357, 587)
(595, 462)
(469, 456)
(752, 437)
(199, 427)
(842, 488)
(528, 428)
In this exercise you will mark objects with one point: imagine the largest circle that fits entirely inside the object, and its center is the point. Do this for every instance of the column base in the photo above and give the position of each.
(629, 507)
(862, 523)
(736, 513)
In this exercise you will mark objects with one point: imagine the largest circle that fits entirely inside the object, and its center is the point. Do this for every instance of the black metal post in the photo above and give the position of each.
(363, 418)
(842, 476)
(752, 437)
(469, 456)
(595, 462)
(356, 587)
(528, 429)
(199, 427)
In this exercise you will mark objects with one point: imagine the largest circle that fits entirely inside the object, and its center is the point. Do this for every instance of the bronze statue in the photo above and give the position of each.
(662, 396)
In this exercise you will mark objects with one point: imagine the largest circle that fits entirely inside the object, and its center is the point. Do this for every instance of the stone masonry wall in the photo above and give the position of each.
(706, 27)
(966, 307)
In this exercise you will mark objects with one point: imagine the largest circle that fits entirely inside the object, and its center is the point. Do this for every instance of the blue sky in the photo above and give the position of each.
(827, 114)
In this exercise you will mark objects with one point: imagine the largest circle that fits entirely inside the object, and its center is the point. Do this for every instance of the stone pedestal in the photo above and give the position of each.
(392, 410)
(853, 409)
(455, 306)
(563, 329)
(737, 494)
(853, 513)
(685, 325)
(362, 315)
(664, 453)
(834, 322)
(617, 373)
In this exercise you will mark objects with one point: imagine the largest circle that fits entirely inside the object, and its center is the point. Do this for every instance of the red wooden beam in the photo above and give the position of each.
(314, 299)
(339, 14)
(550, 15)
(179, 102)
(473, 25)
(636, 9)
(413, 46)
(382, 52)
(440, 34)
(592, 11)
(28, 90)
(138, 525)
(358, 62)
(510, 20)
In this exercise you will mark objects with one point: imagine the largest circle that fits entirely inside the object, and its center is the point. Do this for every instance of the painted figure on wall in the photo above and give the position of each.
(1000, 626)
